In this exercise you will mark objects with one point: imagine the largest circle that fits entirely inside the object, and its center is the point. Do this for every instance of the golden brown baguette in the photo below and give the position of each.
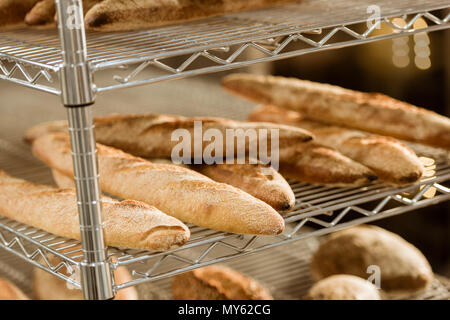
(389, 159)
(261, 181)
(150, 135)
(119, 15)
(370, 112)
(343, 287)
(13, 12)
(128, 224)
(180, 192)
(8, 291)
(316, 164)
(48, 287)
(217, 283)
(402, 266)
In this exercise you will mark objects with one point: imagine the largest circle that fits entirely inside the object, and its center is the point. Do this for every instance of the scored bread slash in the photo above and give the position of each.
(372, 112)
(179, 192)
(127, 224)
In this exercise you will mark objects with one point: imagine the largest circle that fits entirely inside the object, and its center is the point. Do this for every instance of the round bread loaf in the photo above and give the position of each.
(402, 266)
(8, 291)
(217, 283)
(343, 287)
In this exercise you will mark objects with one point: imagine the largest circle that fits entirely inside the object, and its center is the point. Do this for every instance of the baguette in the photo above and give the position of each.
(150, 135)
(127, 224)
(119, 15)
(343, 287)
(389, 159)
(370, 112)
(316, 164)
(217, 283)
(180, 192)
(8, 291)
(44, 11)
(48, 287)
(13, 12)
(403, 268)
(262, 182)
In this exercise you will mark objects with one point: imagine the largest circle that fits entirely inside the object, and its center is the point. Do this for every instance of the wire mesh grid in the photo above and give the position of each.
(32, 57)
(319, 210)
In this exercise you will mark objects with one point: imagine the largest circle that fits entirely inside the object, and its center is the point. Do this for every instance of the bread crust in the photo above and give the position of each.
(13, 12)
(127, 224)
(118, 15)
(48, 287)
(182, 193)
(150, 135)
(316, 164)
(343, 287)
(262, 182)
(9, 291)
(372, 112)
(217, 283)
(44, 11)
(351, 251)
(392, 161)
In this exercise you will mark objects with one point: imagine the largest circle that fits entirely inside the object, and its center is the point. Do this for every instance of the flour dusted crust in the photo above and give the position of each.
(390, 160)
(351, 251)
(48, 287)
(217, 283)
(372, 112)
(127, 224)
(9, 291)
(343, 287)
(44, 11)
(316, 164)
(119, 15)
(150, 135)
(180, 192)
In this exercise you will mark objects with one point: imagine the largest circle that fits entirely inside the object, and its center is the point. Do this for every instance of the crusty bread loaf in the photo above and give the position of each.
(389, 159)
(118, 15)
(150, 135)
(127, 224)
(44, 11)
(351, 251)
(217, 283)
(343, 287)
(262, 182)
(371, 112)
(316, 164)
(8, 291)
(13, 11)
(48, 287)
(180, 192)
(62, 181)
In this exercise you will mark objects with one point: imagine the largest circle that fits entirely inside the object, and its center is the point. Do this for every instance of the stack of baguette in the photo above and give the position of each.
(119, 15)
(335, 115)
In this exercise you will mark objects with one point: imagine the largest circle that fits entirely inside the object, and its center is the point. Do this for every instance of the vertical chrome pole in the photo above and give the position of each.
(78, 97)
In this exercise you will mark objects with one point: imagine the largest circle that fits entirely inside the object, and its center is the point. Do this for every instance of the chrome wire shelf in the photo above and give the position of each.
(32, 57)
(319, 211)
